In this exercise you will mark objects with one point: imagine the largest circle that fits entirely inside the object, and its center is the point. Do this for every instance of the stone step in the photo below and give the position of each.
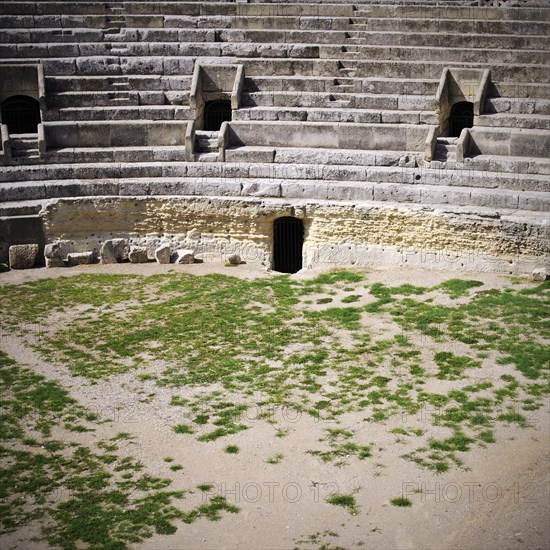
(293, 99)
(25, 153)
(135, 154)
(339, 100)
(436, 10)
(206, 145)
(448, 54)
(335, 115)
(113, 66)
(393, 70)
(208, 155)
(106, 99)
(444, 140)
(320, 84)
(23, 142)
(521, 106)
(404, 87)
(283, 163)
(444, 25)
(125, 66)
(419, 69)
(516, 166)
(519, 89)
(455, 40)
(206, 134)
(121, 112)
(76, 36)
(450, 9)
(286, 22)
(504, 199)
(20, 208)
(541, 122)
(162, 85)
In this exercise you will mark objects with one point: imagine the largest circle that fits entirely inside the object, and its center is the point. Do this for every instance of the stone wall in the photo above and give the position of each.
(342, 233)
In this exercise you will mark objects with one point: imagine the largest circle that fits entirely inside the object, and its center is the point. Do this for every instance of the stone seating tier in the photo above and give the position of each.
(338, 103)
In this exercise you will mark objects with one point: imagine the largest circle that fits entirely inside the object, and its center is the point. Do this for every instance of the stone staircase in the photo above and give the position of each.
(24, 148)
(206, 146)
(445, 153)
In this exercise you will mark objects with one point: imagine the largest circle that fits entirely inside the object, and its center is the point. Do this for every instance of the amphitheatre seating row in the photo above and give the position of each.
(87, 44)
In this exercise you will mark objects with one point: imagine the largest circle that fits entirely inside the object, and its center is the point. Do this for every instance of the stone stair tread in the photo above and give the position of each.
(380, 171)
(20, 208)
(418, 195)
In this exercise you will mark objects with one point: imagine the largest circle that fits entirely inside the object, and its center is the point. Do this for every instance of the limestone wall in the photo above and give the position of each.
(340, 233)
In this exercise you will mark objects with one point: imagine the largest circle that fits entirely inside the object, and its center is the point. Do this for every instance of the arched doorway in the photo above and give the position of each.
(21, 114)
(216, 112)
(288, 240)
(462, 116)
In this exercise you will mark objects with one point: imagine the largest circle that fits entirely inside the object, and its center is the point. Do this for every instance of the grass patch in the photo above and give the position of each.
(183, 429)
(451, 366)
(459, 287)
(346, 501)
(401, 502)
(275, 459)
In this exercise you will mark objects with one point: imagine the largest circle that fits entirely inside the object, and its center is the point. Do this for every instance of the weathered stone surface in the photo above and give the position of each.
(107, 253)
(183, 256)
(234, 259)
(113, 251)
(81, 258)
(485, 238)
(23, 256)
(53, 255)
(539, 274)
(163, 253)
(138, 255)
(54, 262)
(121, 250)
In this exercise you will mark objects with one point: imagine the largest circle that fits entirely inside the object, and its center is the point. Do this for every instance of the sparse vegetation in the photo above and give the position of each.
(237, 352)
(347, 501)
(402, 502)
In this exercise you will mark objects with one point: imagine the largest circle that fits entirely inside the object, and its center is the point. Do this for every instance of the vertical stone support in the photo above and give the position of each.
(190, 140)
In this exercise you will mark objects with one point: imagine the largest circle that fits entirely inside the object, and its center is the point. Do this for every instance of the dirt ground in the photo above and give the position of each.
(499, 501)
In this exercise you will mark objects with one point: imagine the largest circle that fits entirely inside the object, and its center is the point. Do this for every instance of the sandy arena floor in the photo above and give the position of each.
(499, 500)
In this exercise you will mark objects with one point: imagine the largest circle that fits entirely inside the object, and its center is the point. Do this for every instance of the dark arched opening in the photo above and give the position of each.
(21, 114)
(288, 240)
(462, 116)
(216, 112)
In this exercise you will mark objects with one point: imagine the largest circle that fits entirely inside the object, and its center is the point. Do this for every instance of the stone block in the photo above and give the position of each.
(539, 274)
(120, 249)
(259, 188)
(54, 262)
(163, 253)
(81, 258)
(23, 256)
(138, 255)
(183, 256)
(107, 253)
(53, 255)
(234, 259)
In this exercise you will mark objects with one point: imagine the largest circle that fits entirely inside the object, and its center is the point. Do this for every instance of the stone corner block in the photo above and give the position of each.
(138, 255)
(22, 256)
(183, 256)
(163, 253)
